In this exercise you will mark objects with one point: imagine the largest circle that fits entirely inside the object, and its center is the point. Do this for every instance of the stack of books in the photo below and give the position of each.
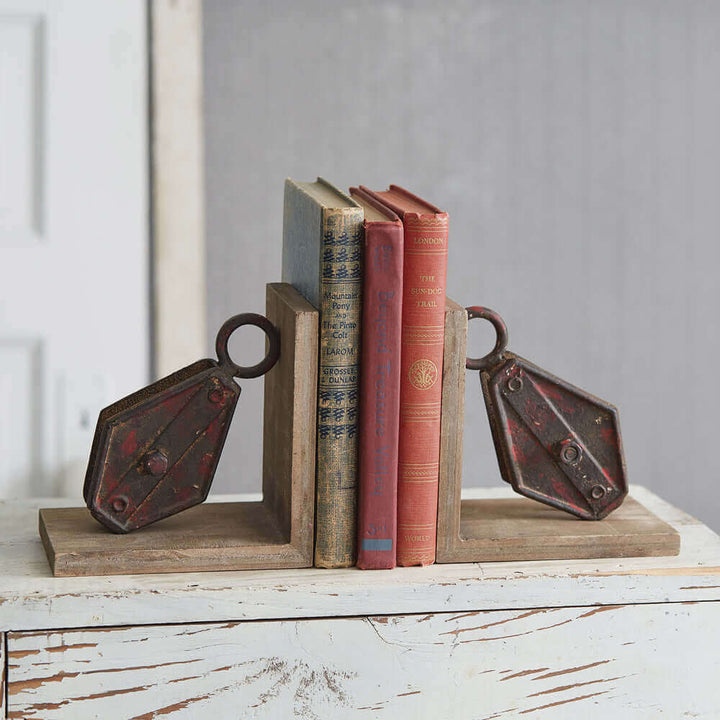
(374, 264)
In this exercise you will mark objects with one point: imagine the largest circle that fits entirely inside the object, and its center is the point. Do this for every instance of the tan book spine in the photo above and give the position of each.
(338, 391)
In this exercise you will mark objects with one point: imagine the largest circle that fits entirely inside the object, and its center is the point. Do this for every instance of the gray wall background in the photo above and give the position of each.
(576, 146)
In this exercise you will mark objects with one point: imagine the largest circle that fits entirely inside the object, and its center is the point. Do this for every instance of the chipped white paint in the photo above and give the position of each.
(31, 599)
(601, 638)
(619, 661)
(3, 668)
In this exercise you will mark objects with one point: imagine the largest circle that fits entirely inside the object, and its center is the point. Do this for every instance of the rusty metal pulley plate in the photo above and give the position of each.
(155, 452)
(555, 443)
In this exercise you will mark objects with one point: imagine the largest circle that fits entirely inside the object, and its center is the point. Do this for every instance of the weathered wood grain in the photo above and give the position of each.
(30, 598)
(617, 661)
(289, 419)
(521, 529)
(276, 533)
(3, 672)
(216, 536)
(452, 416)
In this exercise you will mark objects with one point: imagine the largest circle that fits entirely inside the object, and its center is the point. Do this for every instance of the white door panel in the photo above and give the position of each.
(21, 91)
(73, 231)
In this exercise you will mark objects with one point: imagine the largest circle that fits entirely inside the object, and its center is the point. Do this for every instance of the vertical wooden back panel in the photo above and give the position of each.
(451, 430)
(290, 417)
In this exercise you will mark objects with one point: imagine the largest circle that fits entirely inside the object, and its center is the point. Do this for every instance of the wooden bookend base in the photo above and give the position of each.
(274, 533)
(517, 528)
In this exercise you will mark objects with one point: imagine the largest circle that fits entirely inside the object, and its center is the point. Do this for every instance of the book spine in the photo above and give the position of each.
(380, 395)
(338, 391)
(423, 314)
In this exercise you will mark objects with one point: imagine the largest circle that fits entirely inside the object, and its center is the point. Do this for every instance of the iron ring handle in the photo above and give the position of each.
(229, 327)
(495, 355)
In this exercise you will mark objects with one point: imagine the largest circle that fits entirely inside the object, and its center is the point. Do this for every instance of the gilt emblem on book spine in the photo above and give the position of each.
(423, 374)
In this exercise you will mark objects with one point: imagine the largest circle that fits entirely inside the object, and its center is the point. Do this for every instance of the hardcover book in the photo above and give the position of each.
(322, 258)
(379, 384)
(423, 311)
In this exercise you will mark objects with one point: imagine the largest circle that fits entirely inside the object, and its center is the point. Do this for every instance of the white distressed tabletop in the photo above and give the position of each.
(31, 598)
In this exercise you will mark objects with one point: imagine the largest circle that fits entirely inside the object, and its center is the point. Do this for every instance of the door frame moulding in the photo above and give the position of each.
(178, 299)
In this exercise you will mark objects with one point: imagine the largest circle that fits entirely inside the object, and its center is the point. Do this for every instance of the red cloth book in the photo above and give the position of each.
(423, 329)
(379, 384)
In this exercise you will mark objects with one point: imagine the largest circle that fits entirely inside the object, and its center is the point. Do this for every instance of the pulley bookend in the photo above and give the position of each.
(555, 444)
(155, 453)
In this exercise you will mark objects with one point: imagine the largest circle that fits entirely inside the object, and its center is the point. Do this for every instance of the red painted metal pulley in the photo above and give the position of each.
(155, 452)
(555, 443)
